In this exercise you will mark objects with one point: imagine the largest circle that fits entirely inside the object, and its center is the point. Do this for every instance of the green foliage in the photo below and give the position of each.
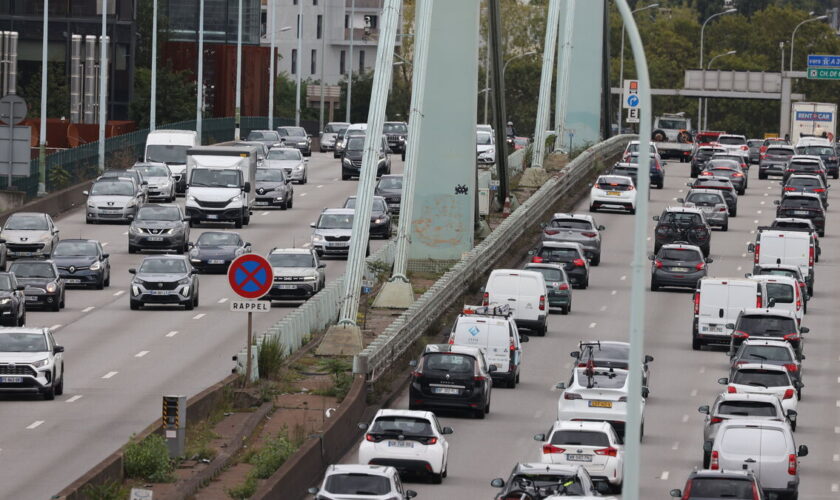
(271, 356)
(58, 90)
(342, 380)
(149, 460)
(380, 269)
(175, 96)
(244, 490)
(284, 97)
(271, 456)
(199, 437)
(109, 490)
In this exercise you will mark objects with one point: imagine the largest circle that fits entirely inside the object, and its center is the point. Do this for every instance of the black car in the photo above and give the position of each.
(159, 227)
(380, 216)
(682, 225)
(701, 156)
(390, 187)
(806, 166)
(351, 158)
(44, 286)
(768, 324)
(296, 137)
(678, 265)
(801, 183)
(12, 301)
(827, 154)
(711, 484)
(571, 255)
(451, 377)
(164, 279)
(83, 263)
(774, 160)
(803, 206)
(396, 133)
(273, 189)
(213, 251)
(724, 185)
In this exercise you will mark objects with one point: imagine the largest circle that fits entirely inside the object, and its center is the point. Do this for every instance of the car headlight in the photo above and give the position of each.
(239, 251)
(131, 203)
(309, 278)
(192, 199)
(133, 230)
(194, 259)
(402, 138)
(184, 281)
(316, 237)
(41, 362)
(186, 291)
(235, 199)
(5, 300)
(96, 266)
(346, 161)
(377, 221)
(299, 167)
(51, 287)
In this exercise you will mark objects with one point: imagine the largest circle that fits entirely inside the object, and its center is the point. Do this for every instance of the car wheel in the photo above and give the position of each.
(836, 175)
(654, 286)
(564, 310)
(479, 413)
(135, 305)
(189, 305)
(793, 426)
(285, 205)
(585, 284)
(596, 260)
(100, 284)
(632, 210)
(132, 248)
(593, 208)
(22, 319)
(438, 478)
(761, 176)
(61, 304)
(59, 389)
(108, 279)
(292, 201)
(345, 177)
(196, 300)
(696, 344)
(49, 393)
(56, 305)
(238, 222)
(661, 185)
(725, 227)
(821, 233)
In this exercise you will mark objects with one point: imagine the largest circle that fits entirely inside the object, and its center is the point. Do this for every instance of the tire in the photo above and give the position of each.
(725, 227)
(285, 205)
(196, 299)
(56, 305)
(305, 178)
(246, 221)
(821, 233)
(795, 494)
(564, 310)
(133, 249)
(59, 389)
(101, 283)
(479, 414)
(585, 284)
(345, 177)
(438, 478)
(811, 290)
(632, 210)
(658, 136)
(63, 297)
(238, 222)
(135, 305)
(189, 306)
(696, 344)
(654, 286)
(734, 213)
(49, 394)
(592, 208)
(661, 185)
(22, 319)
(510, 384)
(742, 191)
(596, 260)
(793, 426)
(292, 201)
(836, 175)
(185, 248)
(764, 176)
(108, 279)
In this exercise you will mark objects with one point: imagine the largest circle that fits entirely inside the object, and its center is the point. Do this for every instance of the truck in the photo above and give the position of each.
(219, 184)
(170, 147)
(813, 119)
(672, 134)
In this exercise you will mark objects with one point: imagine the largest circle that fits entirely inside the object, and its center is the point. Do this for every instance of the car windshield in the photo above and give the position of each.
(334, 128)
(792, 225)
(407, 426)
(22, 222)
(547, 484)
(795, 202)
(23, 342)
(581, 438)
(390, 183)
(603, 379)
(625, 169)
(335, 221)
(759, 353)
(761, 378)
(69, 248)
(147, 171)
(549, 274)
(553, 254)
(781, 292)
(721, 487)
(163, 266)
(816, 151)
(206, 177)
(672, 124)
(683, 254)
(284, 154)
(120, 174)
(378, 204)
(108, 188)
(731, 141)
(214, 239)
(270, 175)
(713, 184)
(263, 135)
(779, 152)
(291, 260)
(395, 128)
(804, 182)
(761, 325)
(355, 143)
(167, 153)
(704, 199)
(5, 283)
(747, 408)
(291, 131)
(570, 224)
(607, 351)
(448, 362)
(633, 147)
(357, 484)
(483, 138)
(161, 213)
(681, 218)
(32, 270)
(779, 272)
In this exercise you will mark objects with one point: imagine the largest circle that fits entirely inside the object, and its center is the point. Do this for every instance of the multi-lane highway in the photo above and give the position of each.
(681, 379)
(120, 362)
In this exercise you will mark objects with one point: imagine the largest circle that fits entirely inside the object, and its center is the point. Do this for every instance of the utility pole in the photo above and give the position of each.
(238, 106)
(42, 140)
(564, 76)
(486, 74)
(153, 100)
(299, 62)
(199, 81)
(350, 67)
(271, 23)
(103, 87)
(323, 56)
(495, 14)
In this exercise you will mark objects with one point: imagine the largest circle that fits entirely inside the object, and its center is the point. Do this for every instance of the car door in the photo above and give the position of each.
(773, 461)
(53, 232)
(58, 357)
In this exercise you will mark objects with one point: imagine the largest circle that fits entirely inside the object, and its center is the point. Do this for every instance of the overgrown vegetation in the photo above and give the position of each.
(109, 490)
(271, 356)
(381, 269)
(341, 378)
(199, 437)
(149, 460)
(266, 460)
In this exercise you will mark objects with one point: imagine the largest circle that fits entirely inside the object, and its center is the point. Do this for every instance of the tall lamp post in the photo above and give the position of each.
(702, 34)
(621, 65)
(271, 70)
(793, 36)
(42, 140)
(153, 90)
(238, 104)
(298, 62)
(520, 56)
(199, 81)
(705, 100)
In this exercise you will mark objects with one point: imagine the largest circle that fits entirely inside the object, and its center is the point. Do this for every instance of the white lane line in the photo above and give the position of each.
(693, 392)
(302, 194)
(743, 255)
(88, 309)
(838, 403)
(755, 222)
(769, 187)
(665, 475)
(118, 293)
(223, 300)
(306, 245)
(835, 487)
(648, 238)
(109, 374)
(264, 213)
(838, 380)
(675, 199)
(702, 369)
(613, 292)
(74, 398)
(56, 326)
(739, 268)
(603, 308)
(759, 212)
(335, 179)
(319, 186)
(680, 191)
(141, 354)
(105, 244)
(35, 424)
(836, 457)
(199, 316)
(765, 194)
(172, 333)
(685, 418)
(623, 277)
(125, 233)
(752, 231)
(592, 325)
(676, 446)
(762, 203)
(837, 430)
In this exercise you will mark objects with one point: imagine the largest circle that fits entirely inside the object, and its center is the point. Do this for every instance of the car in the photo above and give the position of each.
(341, 139)
(331, 233)
(800, 183)
(772, 322)
(271, 138)
(452, 377)
(712, 203)
(351, 158)
(141, 186)
(785, 293)
(485, 148)
(163, 280)
(537, 481)
(717, 304)
(44, 286)
(722, 184)
(608, 354)
(83, 263)
(613, 191)
(161, 185)
(742, 160)
(769, 352)
(112, 200)
(764, 378)
(739, 406)
(790, 270)
(31, 362)
(330, 135)
(29, 235)
(557, 282)
(801, 206)
(794, 224)
(374, 482)
(262, 150)
(630, 168)
(413, 442)
(273, 188)
(633, 148)
(571, 255)
(702, 155)
(734, 143)
(295, 137)
(576, 228)
(290, 160)
(396, 133)
(682, 225)
(734, 484)
(298, 274)
(213, 251)
(380, 216)
(729, 169)
(678, 265)
(774, 160)
(159, 227)
(814, 146)
(12, 301)
(805, 164)
(755, 149)
(390, 187)
(592, 445)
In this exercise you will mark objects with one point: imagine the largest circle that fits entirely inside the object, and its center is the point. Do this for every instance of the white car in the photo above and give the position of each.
(613, 191)
(31, 362)
(485, 148)
(292, 162)
(362, 482)
(757, 378)
(549, 482)
(411, 441)
(633, 147)
(593, 445)
(598, 394)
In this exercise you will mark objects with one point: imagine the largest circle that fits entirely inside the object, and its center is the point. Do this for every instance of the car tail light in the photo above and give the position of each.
(731, 390)
(715, 462)
(790, 189)
(512, 346)
(737, 174)
(788, 394)
(630, 188)
(819, 190)
(687, 492)
(791, 336)
(716, 420)
(811, 256)
(792, 464)
(571, 395)
(658, 264)
(536, 259)
(755, 492)
(739, 363)
(798, 292)
(550, 448)
(429, 440)
(791, 367)
(722, 209)
(757, 252)
(741, 335)
(745, 148)
(551, 231)
(480, 378)
(542, 302)
(820, 172)
(589, 234)
(485, 301)
(579, 263)
(706, 172)
(563, 286)
(607, 452)
(700, 266)
(758, 301)
(372, 438)
(696, 302)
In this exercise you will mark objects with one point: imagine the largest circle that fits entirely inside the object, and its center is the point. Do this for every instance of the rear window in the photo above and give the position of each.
(358, 484)
(804, 166)
(779, 272)
(815, 150)
(581, 438)
(704, 199)
(551, 254)
(614, 183)
(804, 182)
(408, 426)
(757, 377)
(570, 224)
(720, 487)
(607, 352)
(782, 292)
(759, 353)
(779, 152)
(448, 362)
(760, 326)
(747, 409)
(679, 254)
(680, 218)
(603, 379)
(731, 141)
(550, 274)
(795, 202)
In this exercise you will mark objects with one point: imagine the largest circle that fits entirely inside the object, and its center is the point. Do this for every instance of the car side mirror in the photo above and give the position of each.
(132, 270)
(539, 437)
(498, 483)
(288, 181)
(709, 260)
(751, 247)
(247, 187)
(651, 256)
(493, 368)
(412, 363)
(601, 228)
(730, 326)
(680, 200)
(86, 193)
(525, 338)
(447, 430)
(704, 409)
(804, 329)
(561, 386)
(410, 493)
(648, 358)
(321, 265)
(645, 392)
(311, 224)
(803, 451)
(723, 381)
(575, 354)
(777, 202)
(791, 414)
(105, 255)
(313, 491)
(655, 217)
(676, 493)
(57, 349)
(190, 245)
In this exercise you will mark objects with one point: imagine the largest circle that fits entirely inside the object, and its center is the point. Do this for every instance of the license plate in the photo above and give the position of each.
(260, 203)
(212, 216)
(31, 298)
(286, 287)
(215, 261)
(73, 281)
(800, 212)
(338, 243)
(158, 292)
(155, 238)
(714, 329)
(613, 193)
(11, 380)
(600, 404)
(23, 254)
(400, 444)
(444, 390)
(679, 269)
(574, 457)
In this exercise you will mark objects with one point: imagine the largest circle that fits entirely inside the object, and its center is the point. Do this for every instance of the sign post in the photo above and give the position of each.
(250, 276)
(631, 100)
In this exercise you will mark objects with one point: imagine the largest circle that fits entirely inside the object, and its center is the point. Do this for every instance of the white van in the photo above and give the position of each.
(525, 292)
(785, 292)
(493, 330)
(793, 248)
(170, 147)
(719, 301)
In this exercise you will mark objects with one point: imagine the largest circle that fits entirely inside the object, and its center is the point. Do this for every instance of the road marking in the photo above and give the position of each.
(837, 430)
(674, 199)
(835, 487)
(319, 186)
(109, 374)
(603, 308)
(838, 403)
(88, 309)
(743, 255)
(74, 398)
(648, 238)
(199, 316)
(752, 231)
(105, 244)
(56, 326)
(592, 325)
(693, 392)
(759, 212)
(35, 424)
(702, 369)
(739, 268)
(836, 457)
(623, 277)
(838, 380)
(754, 222)
(676, 446)
(264, 213)
(769, 187)
(117, 294)
(613, 292)
(335, 179)
(141, 354)
(762, 203)
(172, 333)
(765, 194)
(223, 300)
(307, 245)
(302, 194)
(680, 191)
(664, 476)
(125, 233)
(684, 418)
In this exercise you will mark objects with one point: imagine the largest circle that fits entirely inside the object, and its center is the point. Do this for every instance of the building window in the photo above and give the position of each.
(294, 2)
(297, 27)
(313, 62)
(371, 22)
(361, 61)
(263, 23)
(341, 63)
(294, 61)
(346, 21)
(319, 27)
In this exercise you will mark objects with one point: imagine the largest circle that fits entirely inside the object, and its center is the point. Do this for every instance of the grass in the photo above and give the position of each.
(266, 460)
(271, 357)
(148, 459)
(342, 380)
(199, 437)
(109, 490)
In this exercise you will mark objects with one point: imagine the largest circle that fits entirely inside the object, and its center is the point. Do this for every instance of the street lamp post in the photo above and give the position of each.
(793, 36)
(271, 71)
(621, 65)
(702, 34)
(299, 63)
(520, 56)
(350, 67)
(238, 103)
(153, 90)
(199, 81)
(705, 100)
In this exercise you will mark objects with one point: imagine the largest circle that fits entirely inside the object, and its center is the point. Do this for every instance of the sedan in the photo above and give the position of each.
(164, 279)
(273, 189)
(390, 187)
(12, 301)
(112, 200)
(380, 216)
(290, 160)
(32, 362)
(29, 235)
(159, 227)
(213, 251)
(570, 255)
(713, 205)
(723, 185)
(296, 137)
(576, 228)
(44, 286)
(268, 137)
(559, 288)
(83, 263)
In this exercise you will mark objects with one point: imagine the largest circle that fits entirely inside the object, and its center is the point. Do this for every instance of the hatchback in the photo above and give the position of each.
(761, 378)
(361, 482)
(803, 206)
(571, 255)
(770, 352)
(576, 228)
(712, 203)
(682, 225)
(593, 445)
(559, 288)
(729, 169)
(159, 227)
(83, 263)
(734, 484)
(613, 191)
(44, 286)
(722, 184)
(774, 160)
(678, 265)
(701, 156)
(451, 377)
(802, 183)
(802, 164)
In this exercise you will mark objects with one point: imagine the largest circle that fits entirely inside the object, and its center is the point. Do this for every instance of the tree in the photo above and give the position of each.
(284, 98)
(175, 96)
(58, 92)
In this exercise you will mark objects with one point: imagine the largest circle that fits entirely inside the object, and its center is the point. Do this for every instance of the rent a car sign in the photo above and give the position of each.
(814, 116)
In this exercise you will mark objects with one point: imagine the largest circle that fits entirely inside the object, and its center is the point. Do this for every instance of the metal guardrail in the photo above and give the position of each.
(395, 340)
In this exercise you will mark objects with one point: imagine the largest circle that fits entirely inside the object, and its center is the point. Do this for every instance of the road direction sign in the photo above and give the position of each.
(250, 276)
(824, 73)
(823, 61)
(631, 94)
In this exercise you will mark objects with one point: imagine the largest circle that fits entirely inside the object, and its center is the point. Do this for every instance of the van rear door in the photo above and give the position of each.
(740, 449)
(503, 288)
(773, 464)
(498, 346)
(714, 297)
(489, 335)
(743, 294)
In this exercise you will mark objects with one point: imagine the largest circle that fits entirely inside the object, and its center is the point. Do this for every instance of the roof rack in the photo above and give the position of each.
(502, 310)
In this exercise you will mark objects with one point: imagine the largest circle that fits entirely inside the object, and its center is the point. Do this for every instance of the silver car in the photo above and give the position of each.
(712, 203)
(298, 274)
(576, 228)
(330, 135)
(112, 200)
(29, 235)
(159, 227)
(159, 179)
(292, 162)
(331, 234)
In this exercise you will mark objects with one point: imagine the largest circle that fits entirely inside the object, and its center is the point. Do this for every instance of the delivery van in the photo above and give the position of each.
(718, 302)
(526, 294)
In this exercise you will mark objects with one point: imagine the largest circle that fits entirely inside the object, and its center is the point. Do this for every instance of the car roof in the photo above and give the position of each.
(727, 473)
(788, 267)
(391, 176)
(682, 246)
(338, 123)
(732, 135)
(627, 178)
(389, 412)
(774, 278)
(339, 211)
(714, 178)
(580, 425)
(705, 191)
(760, 366)
(801, 194)
(806, 158)
(805, 176)
(166, 256)
(77, 240)
(750, 422)
(769, 312)
(22, 329)
(540, 468)
(783, 146)
(690, 210)
(42, 214)
(562, 244)
(544, 265)
(807, 222)
(353, 197)
(453, 348)
(562, 215)
(374, 470)
(748, 396)
(284, 148)
(290, 251)
(767, 342)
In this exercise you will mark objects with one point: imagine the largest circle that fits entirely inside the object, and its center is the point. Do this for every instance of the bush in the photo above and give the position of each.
(271, 456)
(270, 357)
(244, 490)
(148, 459)
(109, 490)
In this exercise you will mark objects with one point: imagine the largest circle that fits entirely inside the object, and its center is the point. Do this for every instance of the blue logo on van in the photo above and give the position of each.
(473, 331)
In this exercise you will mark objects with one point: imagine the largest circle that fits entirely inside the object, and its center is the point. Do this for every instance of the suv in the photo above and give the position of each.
(571, 255)
(112, 200)
(823, 149)
(298, 274)
(678, 265)
(396, 134)
(351, 158)
(712, 203)
(451, 377)
(576, 228)
(803, 206)
(159, 227)
(31, 361)
(331, 234)
(722, 184)
(802, 183)
(769, 352)
(680, 225)
(804, 164)
(774, 160)
(330, 135)
(29, 235)
(12, 301)
(735, 484)
(539, 480)
(772, 323)
(164, 279)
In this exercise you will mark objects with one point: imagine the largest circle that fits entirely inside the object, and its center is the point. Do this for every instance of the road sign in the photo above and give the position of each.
(822, 61)
(12, 109)
(631, 94)
(250, 276)
(824, 73)
(633, 115)
(250, 306)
